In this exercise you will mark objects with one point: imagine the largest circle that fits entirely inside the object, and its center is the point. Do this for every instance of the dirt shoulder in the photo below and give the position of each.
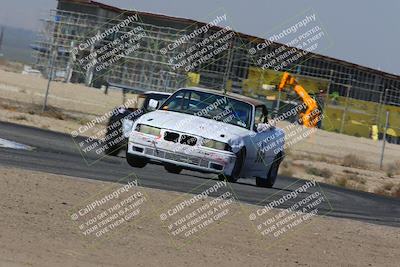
(36, 230)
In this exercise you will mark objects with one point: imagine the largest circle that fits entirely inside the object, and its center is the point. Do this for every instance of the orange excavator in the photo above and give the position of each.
(310, 116)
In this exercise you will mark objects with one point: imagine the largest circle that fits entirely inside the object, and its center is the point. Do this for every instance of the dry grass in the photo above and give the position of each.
(350, 171)
(355, 178)
(11, 66)
(326, 173)
(56, 114)
(7, 107)
(289, 153)
(353, 161)
(286, 172)
(388, 186)
(341, 181)
(20, 118)
(357, 186)
(35, 109)
(396, 191)
(351, 181)
(388, 189)
(392, 169)
(322, 158)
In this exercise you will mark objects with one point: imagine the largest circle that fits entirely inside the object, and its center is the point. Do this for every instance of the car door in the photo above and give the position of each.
(263, 143)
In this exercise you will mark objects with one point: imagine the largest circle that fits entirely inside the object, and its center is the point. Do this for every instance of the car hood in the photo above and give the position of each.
(194, 125)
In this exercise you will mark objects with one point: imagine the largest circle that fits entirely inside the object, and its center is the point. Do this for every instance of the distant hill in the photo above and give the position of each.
(16, 43)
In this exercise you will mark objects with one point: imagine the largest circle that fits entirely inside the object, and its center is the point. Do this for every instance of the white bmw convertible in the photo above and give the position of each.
(209, 131)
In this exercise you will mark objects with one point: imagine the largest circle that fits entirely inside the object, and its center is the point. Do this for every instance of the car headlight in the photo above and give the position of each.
(126, 126)
(216, 144)
(146, 129)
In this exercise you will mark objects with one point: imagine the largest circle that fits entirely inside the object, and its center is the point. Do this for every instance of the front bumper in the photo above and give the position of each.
(188, 157)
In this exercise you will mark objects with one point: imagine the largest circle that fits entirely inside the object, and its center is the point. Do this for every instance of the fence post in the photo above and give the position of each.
(277, 104)
(50, 77)
(326, 100)
(53, 53)
(345, 109)
(228, 67)
(384, 139)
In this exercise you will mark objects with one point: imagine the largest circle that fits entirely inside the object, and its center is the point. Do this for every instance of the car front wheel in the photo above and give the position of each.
(136, 161)
(113, 130)
(272, 173)
(237, 169)
(172, 168)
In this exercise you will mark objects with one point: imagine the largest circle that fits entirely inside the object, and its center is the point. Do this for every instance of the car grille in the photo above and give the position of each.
(188, 140)
(171, 136)
(184, 138)
(177, 157)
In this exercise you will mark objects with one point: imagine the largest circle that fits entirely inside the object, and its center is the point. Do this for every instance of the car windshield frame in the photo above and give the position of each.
(231, 101)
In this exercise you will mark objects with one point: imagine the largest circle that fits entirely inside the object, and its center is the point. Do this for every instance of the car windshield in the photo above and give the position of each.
(211, 106)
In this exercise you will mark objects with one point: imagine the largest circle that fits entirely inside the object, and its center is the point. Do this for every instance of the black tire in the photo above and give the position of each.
(272, 173)
(172, 168)
(136, 161)
(237, 169)
(113, 150)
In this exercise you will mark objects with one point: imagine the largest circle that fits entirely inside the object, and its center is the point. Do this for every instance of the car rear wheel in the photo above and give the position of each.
(272, 173)
(136, 161)
(113, 147)
(235, 175)
(172, 168)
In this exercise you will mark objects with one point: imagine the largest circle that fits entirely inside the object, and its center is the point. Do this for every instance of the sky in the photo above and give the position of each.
(364, 32)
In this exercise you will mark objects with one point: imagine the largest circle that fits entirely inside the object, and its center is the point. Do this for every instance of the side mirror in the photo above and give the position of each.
(262, 127)
(153, 104)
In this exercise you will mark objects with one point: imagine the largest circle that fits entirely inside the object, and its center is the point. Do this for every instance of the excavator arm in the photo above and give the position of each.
(311, 115)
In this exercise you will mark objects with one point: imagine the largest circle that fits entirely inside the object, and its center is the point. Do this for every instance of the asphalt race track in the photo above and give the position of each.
(57, 153)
